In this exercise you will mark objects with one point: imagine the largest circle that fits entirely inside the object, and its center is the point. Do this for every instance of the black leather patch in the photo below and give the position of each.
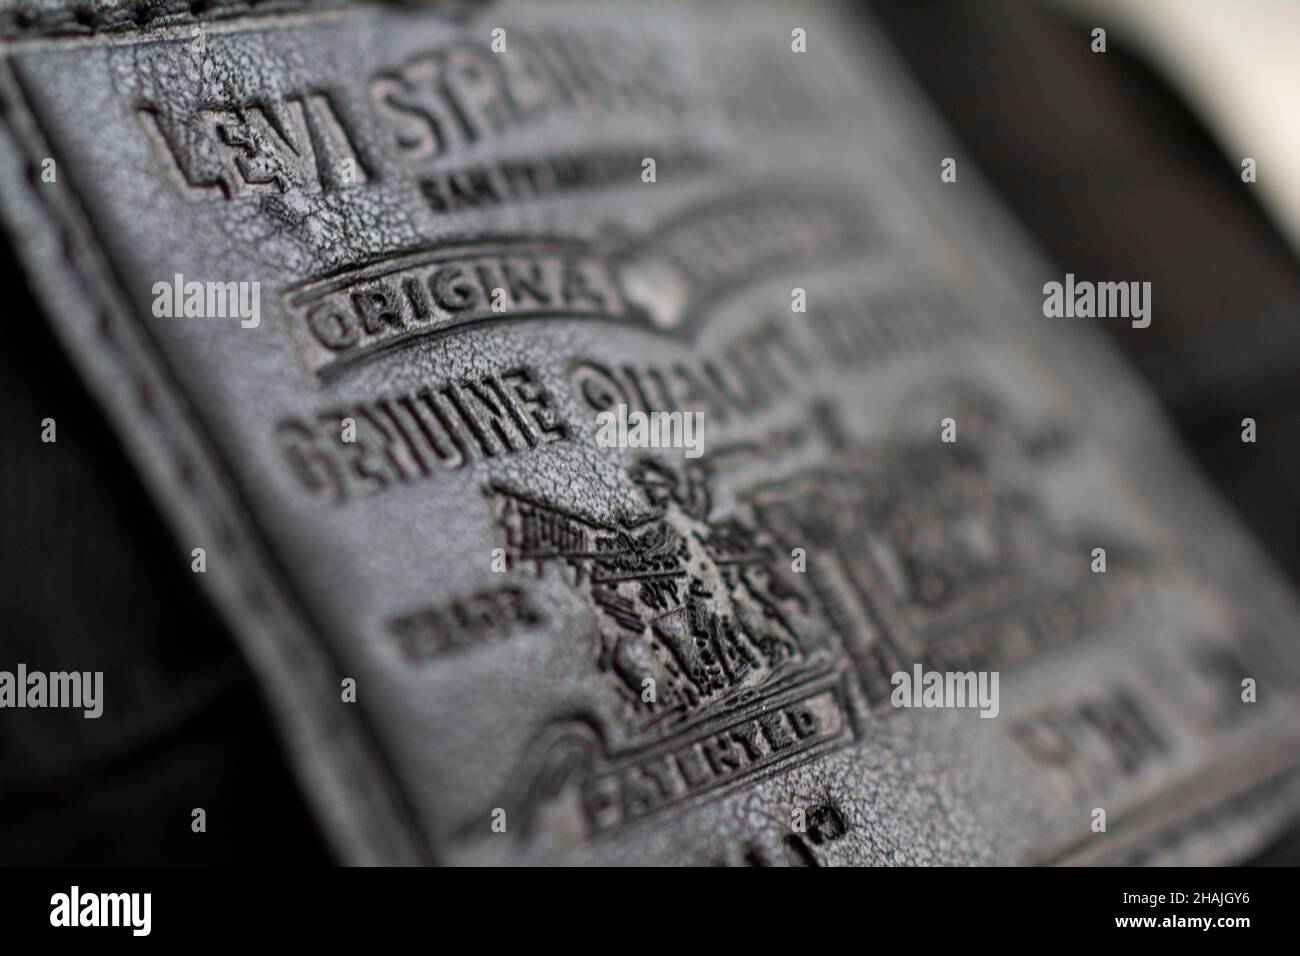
(355, 289)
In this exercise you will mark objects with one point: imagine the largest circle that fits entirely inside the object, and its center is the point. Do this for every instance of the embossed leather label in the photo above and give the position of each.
(568, 652)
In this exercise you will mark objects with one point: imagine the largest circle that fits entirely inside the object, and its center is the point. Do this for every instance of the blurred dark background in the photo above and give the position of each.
(1116, 178)
(1097, 157)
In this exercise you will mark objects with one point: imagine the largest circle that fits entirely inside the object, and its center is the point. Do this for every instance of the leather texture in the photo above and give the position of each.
(379, 174)
(35, 18)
